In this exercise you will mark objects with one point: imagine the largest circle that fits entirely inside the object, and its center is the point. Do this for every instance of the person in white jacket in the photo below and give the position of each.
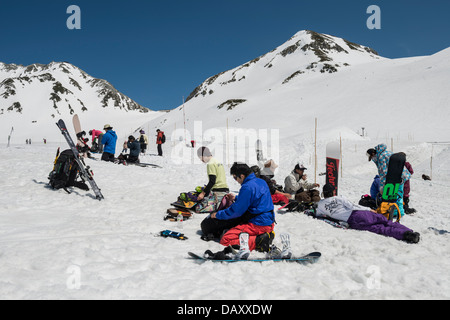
(359, 218)
(297, 184)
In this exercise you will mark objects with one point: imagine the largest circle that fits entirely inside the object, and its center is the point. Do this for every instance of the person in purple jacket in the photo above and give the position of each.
(359, 218)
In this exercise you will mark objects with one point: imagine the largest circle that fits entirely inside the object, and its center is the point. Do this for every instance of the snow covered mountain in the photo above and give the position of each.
(34, 97)
(344, 85)
(307, 52)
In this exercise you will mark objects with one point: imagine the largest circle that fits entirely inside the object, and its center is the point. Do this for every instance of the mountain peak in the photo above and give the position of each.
(304, 53)
(63, 87)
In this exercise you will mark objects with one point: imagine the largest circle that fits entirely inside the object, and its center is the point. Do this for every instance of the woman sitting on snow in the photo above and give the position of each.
(357, 217)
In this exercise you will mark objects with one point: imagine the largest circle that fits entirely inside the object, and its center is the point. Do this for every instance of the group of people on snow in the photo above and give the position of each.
(252, 210)
(105, 143)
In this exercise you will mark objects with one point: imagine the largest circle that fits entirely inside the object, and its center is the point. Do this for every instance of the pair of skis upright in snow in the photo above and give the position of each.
(85, 171)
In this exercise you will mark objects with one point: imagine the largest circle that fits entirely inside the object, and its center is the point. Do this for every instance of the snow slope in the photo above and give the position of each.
(59, 246)
(390, 98)
(34, 98)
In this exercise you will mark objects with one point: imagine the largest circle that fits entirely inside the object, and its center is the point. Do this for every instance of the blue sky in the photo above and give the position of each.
(157, 51)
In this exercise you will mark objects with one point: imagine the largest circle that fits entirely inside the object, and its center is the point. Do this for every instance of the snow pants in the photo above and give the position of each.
(376, 223)
(231, 237)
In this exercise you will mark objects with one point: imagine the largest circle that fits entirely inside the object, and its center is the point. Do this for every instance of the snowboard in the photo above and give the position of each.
(392, 196)
(309, 258)
(259, 151)
(332, 165)
(394, 177)
(85, 172)
(76, 124)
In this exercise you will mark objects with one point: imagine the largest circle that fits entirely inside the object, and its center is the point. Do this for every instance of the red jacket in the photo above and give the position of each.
(159, 137)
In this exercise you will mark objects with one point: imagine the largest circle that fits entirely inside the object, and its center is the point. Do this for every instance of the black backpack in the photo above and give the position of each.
(163, 138)
(65, 172)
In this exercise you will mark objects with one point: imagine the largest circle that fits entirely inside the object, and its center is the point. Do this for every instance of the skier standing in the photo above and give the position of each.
(143, 140)
(159, 141)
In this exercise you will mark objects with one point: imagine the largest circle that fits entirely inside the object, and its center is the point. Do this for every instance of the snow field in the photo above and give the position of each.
(59, 246)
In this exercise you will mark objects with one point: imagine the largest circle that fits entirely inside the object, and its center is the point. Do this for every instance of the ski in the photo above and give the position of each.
(84, 170)
(144, 165)
(333, 157)
(309, 258)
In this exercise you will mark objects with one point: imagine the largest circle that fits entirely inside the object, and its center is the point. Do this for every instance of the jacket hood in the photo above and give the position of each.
(381, 148)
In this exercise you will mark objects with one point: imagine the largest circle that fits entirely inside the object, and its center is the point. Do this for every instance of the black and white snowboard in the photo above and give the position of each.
(85, 172)
(309, 258)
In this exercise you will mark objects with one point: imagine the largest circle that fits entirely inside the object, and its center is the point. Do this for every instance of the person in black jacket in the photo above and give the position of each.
(135, 149)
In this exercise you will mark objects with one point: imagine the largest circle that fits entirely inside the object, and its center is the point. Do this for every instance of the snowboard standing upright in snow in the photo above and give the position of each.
(392, 165)
(393, 189)
(333, 159)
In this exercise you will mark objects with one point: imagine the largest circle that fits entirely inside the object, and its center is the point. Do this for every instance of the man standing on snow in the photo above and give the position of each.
(109, 140)
(160, 139)
(143, 140)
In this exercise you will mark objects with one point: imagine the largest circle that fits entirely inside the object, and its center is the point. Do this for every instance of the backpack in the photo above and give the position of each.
(163, 138)
(64, 171)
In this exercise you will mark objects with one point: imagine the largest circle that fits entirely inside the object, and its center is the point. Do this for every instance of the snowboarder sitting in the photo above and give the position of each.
(252, 213)
(297, 184)
(278, 197)
(217, 186)
(135, 148)
(359, 218)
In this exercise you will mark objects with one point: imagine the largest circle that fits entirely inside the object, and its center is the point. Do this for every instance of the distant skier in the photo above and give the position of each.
(109, 140)
(143, 141)
(160, 139)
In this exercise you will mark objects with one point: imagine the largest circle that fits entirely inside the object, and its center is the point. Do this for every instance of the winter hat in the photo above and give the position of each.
(204, 152)
(131, 138)
(328, 190)
(142, 132)
(371, 153)
(300, 166)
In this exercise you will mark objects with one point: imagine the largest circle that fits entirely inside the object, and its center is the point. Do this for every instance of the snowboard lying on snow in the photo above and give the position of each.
(309, 258)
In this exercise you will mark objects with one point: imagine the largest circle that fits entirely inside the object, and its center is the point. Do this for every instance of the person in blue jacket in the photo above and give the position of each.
(253, 206)
(109, 140)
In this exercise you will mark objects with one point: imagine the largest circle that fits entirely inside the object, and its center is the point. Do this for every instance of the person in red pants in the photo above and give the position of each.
(253, 208)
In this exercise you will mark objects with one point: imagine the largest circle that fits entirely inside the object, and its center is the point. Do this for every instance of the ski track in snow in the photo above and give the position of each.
(46, 234)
